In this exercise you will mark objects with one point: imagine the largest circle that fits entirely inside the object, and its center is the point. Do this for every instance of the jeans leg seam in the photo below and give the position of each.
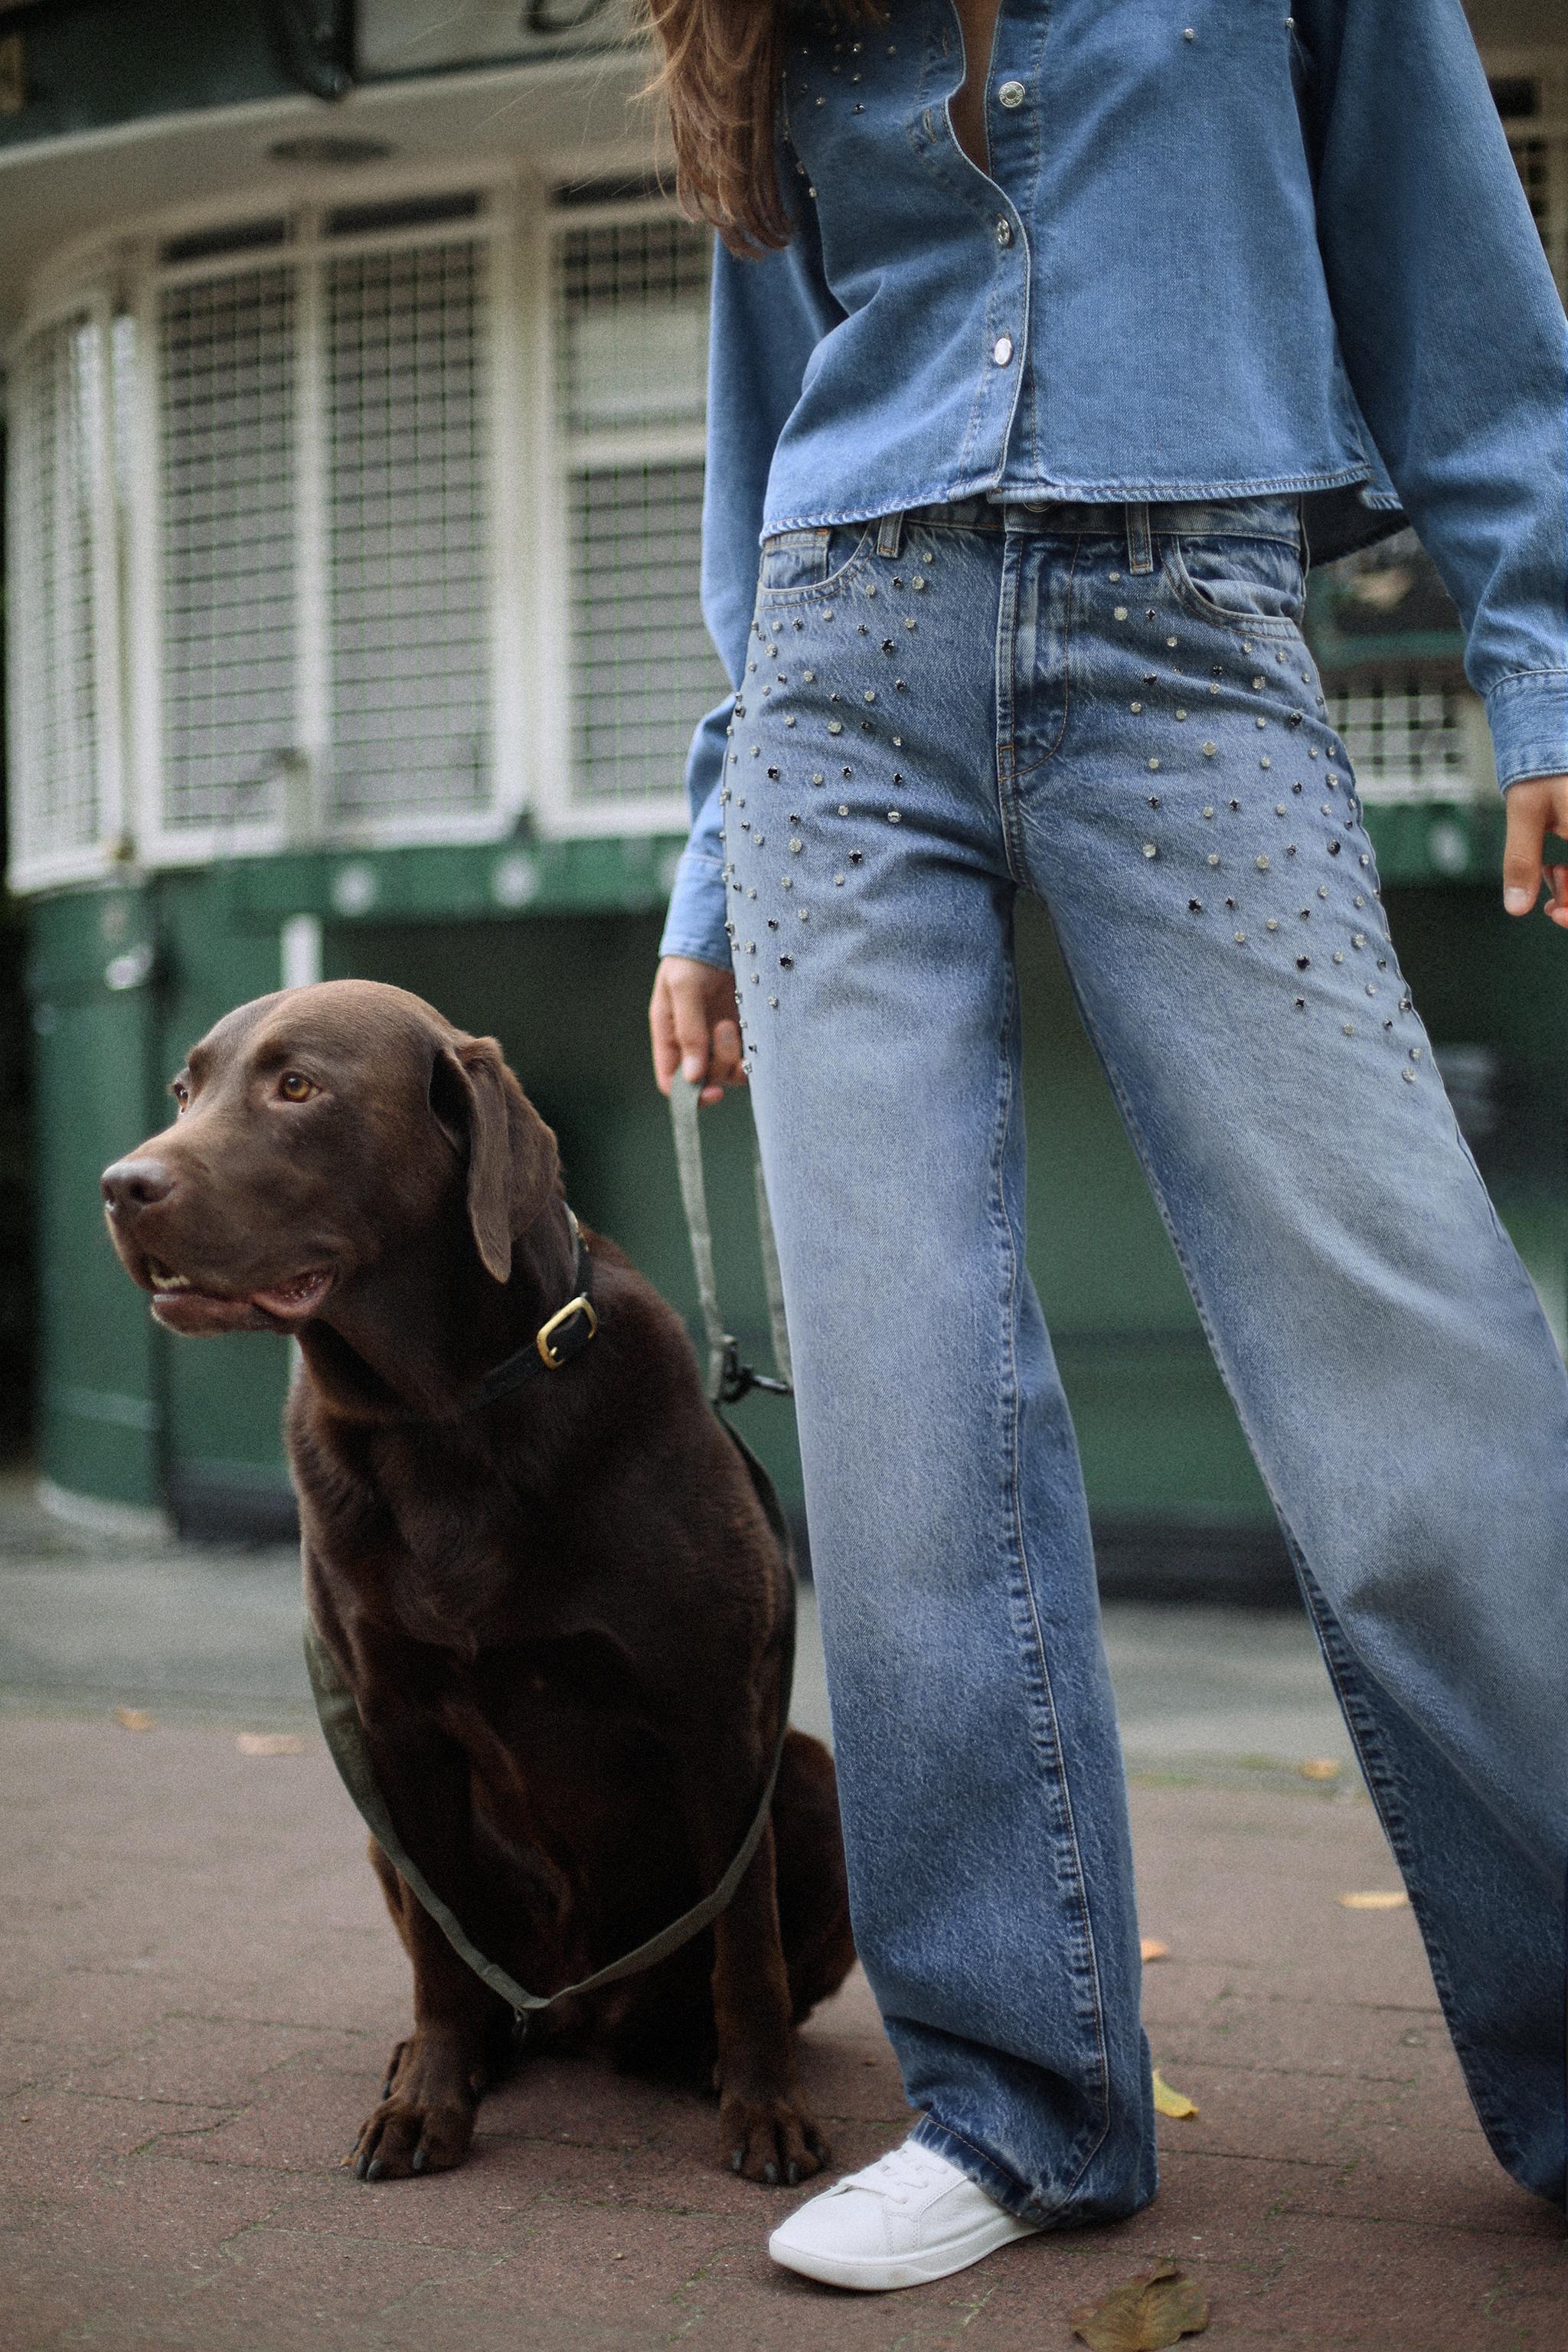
(1063, 1795)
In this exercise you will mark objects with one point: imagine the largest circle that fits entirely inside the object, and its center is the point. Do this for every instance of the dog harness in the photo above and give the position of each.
(563, 1337)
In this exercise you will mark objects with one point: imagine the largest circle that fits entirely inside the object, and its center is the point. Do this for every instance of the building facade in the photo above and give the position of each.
(354, 405)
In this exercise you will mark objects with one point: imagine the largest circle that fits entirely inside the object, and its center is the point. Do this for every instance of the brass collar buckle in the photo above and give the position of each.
(555, 1357)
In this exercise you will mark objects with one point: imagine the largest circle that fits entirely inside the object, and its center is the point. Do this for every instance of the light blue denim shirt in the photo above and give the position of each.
(1222, 251)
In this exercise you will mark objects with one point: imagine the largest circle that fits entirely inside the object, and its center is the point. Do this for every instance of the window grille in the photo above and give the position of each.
(228, 576)
(631, 333)
(1407, 737)
(409, 617)
(63, 705)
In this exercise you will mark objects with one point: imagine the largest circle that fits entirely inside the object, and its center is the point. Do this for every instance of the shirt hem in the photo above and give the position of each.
(1110, 492)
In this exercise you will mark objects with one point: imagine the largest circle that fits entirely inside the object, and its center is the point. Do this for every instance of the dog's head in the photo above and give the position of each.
(317, 1131)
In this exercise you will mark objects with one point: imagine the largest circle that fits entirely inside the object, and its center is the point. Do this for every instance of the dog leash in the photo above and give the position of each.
(342, 1727)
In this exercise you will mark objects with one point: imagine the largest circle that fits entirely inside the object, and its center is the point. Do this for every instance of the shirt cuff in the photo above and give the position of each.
(695, 923)
(1528, 715)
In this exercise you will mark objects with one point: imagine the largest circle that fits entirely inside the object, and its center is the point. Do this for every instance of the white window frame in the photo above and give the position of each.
(89, 300)
(1548, 66)
(559, 811)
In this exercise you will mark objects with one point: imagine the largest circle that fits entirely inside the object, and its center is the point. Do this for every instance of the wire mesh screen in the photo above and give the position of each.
(408, 531)
(643, 667)
(633, 348)
(632, 345)
(56, 422)
(227, 526)
(1405, 737)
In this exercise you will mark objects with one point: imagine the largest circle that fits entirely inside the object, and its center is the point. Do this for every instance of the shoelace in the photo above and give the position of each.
(901, 2174)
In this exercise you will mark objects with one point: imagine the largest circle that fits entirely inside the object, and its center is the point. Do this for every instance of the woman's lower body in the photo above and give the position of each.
(1113, 707)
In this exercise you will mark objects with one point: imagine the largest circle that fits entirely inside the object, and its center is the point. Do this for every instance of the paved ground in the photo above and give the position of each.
(197, 1990)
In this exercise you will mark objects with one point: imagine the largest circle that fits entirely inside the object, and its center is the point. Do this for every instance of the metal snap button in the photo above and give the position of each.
(1002, 350)
(1004, 230)
(1010, 94)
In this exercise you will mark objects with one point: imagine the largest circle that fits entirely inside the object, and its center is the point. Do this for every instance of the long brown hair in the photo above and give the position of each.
(719, 80)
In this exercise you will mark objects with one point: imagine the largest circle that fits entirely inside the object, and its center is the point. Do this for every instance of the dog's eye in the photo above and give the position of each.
(295, 1086)
(182, 1095)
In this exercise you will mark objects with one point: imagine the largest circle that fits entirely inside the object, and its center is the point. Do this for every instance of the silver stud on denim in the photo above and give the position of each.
(1339, 955)
(1214, 857)
(796, 846)
(1209, 810)
(809, 676)
(1266, 762)
(838, 881)
(1154, 800)
(1195, 906)
(1240, 938)
(895, 816)
(869, 695)
(1135, 706)
(1121, 612)
(1272, 924)
(1171, 641)
(1257, 683)
(1372, 988)
(836, 726)
(1261, 864)
(1260, 722)
(1209, 750)
(1409, 1076)
(1151, 849)
(1322, 889)
(1300, 1004)
(857, 856)
(918, 582)
(1348, 1028)
(1154, 763)
(1180, 714)
(1279, 808)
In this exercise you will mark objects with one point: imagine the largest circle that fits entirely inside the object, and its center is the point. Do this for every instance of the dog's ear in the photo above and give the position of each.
(513, 1164)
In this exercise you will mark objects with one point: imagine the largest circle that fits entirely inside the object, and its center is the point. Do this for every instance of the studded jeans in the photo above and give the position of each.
(1114, 709)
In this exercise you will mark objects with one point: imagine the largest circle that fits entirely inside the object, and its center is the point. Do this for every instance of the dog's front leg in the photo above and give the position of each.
(765, 2129)
(425, 2121)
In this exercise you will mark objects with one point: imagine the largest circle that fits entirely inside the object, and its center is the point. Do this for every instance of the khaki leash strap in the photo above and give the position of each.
(345, 1732)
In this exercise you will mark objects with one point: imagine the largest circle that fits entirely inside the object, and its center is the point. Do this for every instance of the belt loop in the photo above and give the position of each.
(890, 537)
(1139, 546)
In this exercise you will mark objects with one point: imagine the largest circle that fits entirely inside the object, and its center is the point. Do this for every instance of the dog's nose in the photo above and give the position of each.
(136, 1183)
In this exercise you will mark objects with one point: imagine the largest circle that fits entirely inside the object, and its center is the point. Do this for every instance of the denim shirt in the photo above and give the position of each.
(1221, 250)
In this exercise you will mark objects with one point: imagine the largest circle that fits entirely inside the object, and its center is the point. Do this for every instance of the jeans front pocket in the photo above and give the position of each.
(1252, 584)
(804, 562)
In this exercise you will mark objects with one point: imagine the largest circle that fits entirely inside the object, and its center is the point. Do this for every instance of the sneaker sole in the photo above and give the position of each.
(878, 2274)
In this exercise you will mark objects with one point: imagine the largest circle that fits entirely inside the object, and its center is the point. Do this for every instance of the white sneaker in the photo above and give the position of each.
(909, 2217)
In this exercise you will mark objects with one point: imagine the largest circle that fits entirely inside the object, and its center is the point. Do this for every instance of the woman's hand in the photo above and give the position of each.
(1536, 806)
(696, 1026)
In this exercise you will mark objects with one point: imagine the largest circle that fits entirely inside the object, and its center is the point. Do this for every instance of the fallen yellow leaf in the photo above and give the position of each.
(1144, 2313)
(1318, 1767)
(1171, 2103)
(1376, 1902)
(135, 1718)
(1155, 1951)
(270, 1743)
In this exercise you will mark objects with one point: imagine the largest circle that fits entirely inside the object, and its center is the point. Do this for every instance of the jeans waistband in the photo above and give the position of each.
(1274, 515)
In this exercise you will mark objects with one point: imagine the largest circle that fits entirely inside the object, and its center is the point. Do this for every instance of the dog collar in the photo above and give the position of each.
(561, 1337)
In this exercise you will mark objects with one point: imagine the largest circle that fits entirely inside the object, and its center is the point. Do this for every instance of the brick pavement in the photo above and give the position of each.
(197, 1990)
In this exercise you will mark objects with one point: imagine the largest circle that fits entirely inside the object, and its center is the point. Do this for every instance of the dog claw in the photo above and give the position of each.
(377, 2169)
(771, 2175)
(792, 2175)
(362, 2168)
(738, 2160)
(421, 2158)
(386, 2088)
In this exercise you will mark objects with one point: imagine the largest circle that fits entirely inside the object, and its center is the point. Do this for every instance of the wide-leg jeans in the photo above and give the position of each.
(1113, 707)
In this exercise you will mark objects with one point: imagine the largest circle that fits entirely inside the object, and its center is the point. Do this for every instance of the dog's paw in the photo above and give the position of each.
(408, 2134)
(773, 2141)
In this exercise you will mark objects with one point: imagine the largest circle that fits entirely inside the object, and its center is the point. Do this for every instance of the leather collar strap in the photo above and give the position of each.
(563, 1335)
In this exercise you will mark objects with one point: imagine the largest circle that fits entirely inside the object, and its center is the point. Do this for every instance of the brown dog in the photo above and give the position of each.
(560, 1614)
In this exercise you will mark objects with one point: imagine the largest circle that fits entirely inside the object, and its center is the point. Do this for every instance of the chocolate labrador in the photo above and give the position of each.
(561, 1611)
